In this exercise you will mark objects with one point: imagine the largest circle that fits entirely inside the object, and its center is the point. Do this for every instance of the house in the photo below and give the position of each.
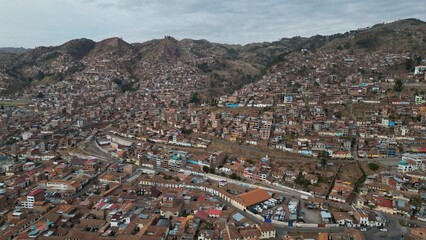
(313, 179)
(264, 173)
(340, 192)
(319, 192)
(207, 234)
(385, 205)
(342, 154)
(171, 206)
(156, 232)
(376, 220)
(249, 234)
(62, 186)
(411, 162)
(231, 233)
(361, 217)
(202, 215)
(251, 172)
(267, 231)
(32, 197)
(342, 218)
(214, 213)
(109, 178)
(380, 187)
(216, 158)
(402, 206)
(28, 166)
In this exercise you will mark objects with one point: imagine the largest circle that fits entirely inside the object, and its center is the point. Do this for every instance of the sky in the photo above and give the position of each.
(32, 23)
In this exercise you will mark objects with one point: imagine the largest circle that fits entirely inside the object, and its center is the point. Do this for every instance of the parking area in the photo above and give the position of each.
(271, 209)
(310, 215)
(287, 209)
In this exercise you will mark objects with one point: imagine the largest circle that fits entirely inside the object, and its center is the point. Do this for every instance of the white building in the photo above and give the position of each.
(411, 163)
(32, 197)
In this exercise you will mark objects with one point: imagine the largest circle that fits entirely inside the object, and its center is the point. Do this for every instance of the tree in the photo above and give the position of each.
(206, 169)
(214, 102)
(302, 181)
(40, 95)
(186, 131)
(135, 230)
(204, 67)
(409, 64)
(194, 98)
(373, 166)
(353, 142)
(398, 85)
(299, 178)
(39, 75)
(338, 115)
(323, 156)
(416, 201)
(234, 176)
(323, 162)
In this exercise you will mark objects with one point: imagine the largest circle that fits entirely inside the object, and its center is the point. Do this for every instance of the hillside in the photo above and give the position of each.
(13, 50)
(216, 68)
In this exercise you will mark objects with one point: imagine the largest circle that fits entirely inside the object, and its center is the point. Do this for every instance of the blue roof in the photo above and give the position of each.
(401, 203)
(325, 215)
(238, 217)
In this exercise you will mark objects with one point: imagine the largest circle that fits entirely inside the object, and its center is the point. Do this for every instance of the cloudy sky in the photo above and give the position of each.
(31, 23)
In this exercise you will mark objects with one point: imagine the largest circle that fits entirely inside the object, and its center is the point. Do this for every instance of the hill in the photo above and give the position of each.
(13, 50)
(217, 68)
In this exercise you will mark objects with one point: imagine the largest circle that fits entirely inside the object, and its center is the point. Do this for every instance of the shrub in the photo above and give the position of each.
(373, 166)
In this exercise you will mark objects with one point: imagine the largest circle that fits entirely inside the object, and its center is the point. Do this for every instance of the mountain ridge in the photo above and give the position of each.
(216, 65)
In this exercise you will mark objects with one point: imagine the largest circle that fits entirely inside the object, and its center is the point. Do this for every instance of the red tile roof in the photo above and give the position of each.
(35, 192)
(383, 202)
(202, 215)
(254, 197)
(214, 212)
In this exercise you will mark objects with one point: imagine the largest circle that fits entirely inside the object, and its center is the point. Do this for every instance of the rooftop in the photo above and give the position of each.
(254, 197)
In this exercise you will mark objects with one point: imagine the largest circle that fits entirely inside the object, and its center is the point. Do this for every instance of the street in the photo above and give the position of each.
(394, 231)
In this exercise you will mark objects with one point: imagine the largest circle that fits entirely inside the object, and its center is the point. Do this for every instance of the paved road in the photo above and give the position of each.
(93, 149)
(400, 218)
(394, 231)
(282, 231)
(394, 228)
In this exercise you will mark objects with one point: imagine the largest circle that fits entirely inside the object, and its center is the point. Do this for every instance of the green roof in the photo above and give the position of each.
(402, 163)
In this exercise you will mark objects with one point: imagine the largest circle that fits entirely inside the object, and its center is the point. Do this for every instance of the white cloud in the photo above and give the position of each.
(31, 23)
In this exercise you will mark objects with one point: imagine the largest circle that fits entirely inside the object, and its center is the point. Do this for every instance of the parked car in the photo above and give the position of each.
(363, 229)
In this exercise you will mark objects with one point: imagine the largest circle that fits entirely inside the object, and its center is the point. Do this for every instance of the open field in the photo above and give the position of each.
(254, 152)
(350, 172)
